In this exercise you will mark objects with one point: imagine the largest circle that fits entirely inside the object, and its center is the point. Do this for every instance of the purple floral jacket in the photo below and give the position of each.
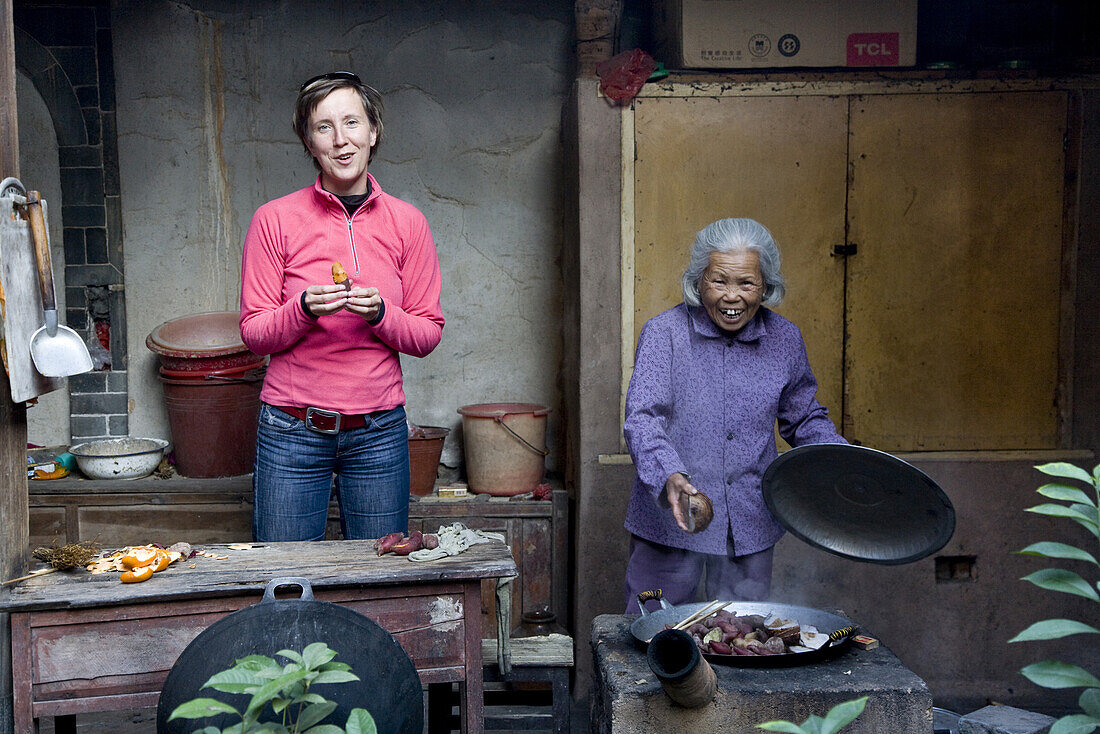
(704, 402)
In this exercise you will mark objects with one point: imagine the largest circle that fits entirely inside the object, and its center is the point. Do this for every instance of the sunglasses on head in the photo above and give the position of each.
(328, 77)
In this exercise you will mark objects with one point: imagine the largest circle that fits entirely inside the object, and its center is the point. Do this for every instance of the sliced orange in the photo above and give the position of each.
(142, 573)
(140, 556)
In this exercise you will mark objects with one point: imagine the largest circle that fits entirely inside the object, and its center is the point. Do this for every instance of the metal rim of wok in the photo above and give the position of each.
(388, 679)
(858, 503)
(650, 623)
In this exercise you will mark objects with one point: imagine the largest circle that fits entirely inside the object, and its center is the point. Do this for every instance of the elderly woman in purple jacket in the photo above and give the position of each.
(711, 378)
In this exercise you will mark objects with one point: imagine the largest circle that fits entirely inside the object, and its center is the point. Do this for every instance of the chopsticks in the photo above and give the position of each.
(703, 613)
(693, 618)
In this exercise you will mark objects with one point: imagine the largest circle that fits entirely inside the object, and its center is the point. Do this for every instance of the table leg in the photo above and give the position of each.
(471, 691)
(24, 722)
(440, 701)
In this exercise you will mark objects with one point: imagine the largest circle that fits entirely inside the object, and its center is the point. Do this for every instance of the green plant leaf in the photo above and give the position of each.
(1056, 674)
(782, 726)
(234, 680)
(200, 708)
(1068, 582)
(334, 665)
(1090, 702)
(1066, 471)
(256, 662)
(1058, 550)
(1066, 493)
(1075, 724)
(271, 689)
(317, 654)
(1052, 510)
(1053, 629)
(335, 676)
(310, 698)
(270, 728)
(324, 729)
(314, 714)
(842, 714)
(814, 724)
(360, 722)
(1087, 510)
(291, 655)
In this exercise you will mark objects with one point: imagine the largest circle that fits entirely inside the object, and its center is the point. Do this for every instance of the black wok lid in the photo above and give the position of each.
(389, 687)
(858, 503)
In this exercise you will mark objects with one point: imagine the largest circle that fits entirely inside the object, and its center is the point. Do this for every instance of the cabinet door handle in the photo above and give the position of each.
(844, 250)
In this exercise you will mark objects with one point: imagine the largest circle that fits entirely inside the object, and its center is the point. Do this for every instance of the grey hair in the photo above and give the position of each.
(728, 235)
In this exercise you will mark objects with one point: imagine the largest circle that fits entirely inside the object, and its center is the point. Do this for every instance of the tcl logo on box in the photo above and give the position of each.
(873, 49)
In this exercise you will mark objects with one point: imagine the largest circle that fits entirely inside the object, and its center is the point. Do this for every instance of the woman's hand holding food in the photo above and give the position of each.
(322, 300)
(366, 302)
(676, 485)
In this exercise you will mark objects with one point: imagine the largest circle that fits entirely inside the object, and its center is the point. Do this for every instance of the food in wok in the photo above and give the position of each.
(726, 633)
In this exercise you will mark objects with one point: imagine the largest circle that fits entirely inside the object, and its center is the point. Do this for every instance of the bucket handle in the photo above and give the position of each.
(500, 419)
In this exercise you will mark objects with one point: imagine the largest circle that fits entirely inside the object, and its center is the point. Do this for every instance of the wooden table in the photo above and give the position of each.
(84, 643)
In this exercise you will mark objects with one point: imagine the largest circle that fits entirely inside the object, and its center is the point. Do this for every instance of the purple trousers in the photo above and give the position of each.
(676, 572)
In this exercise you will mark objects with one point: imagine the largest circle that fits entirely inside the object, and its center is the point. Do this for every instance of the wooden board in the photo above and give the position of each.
(327, 564)
(953, 305)
(22, 314)
(780, 161)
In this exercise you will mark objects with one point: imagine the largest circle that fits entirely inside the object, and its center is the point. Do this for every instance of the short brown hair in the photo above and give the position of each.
(313, 93)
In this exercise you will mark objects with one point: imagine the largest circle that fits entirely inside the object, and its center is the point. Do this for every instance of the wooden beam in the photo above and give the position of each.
(9, 128)
(14, 513)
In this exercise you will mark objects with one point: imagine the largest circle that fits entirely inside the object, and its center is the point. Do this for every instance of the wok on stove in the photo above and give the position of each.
(650, 623)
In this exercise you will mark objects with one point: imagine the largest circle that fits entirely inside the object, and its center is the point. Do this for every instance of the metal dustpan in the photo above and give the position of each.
(57, 350)
(858, 503)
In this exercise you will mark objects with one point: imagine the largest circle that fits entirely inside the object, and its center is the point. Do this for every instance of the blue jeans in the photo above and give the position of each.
(292, 478)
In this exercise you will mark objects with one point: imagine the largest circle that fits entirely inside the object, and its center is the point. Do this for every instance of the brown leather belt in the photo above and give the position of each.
(325, 421)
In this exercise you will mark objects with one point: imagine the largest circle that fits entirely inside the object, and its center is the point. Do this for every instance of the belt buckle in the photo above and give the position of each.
(310, 412)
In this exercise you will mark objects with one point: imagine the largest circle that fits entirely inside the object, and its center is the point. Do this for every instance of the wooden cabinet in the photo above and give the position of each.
(943, 330)
(220, 511)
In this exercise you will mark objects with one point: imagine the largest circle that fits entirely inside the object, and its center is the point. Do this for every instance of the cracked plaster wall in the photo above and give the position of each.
(473, 94)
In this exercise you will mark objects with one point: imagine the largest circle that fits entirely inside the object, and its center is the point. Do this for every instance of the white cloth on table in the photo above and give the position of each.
(453, 539)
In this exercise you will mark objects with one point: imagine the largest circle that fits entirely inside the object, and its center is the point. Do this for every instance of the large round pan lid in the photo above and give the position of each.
(858, 503)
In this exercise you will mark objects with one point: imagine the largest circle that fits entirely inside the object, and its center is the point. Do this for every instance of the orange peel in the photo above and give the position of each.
(142, 573)
(163, 559)
(140, 556)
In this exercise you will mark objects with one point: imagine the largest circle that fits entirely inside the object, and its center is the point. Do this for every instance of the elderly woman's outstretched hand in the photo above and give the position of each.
(676, 485)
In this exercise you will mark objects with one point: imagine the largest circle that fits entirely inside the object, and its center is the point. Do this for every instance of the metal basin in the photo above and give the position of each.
(119, 458)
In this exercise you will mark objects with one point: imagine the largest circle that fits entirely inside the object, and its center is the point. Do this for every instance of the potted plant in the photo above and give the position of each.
(1082, 509)
(839, 716)
(280, 695)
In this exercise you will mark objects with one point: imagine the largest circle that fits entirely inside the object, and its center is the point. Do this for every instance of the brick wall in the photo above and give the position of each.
(65, 50)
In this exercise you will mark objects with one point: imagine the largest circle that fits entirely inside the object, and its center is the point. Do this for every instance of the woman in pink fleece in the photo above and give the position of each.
(333, 402)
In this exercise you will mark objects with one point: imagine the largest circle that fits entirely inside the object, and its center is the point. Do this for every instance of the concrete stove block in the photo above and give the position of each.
(628, 698)
(1005, 720)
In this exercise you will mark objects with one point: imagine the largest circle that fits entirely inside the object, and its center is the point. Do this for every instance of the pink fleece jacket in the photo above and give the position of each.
(338, 362)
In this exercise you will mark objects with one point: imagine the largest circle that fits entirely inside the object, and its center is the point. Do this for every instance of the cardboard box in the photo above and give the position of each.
(764, 34)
